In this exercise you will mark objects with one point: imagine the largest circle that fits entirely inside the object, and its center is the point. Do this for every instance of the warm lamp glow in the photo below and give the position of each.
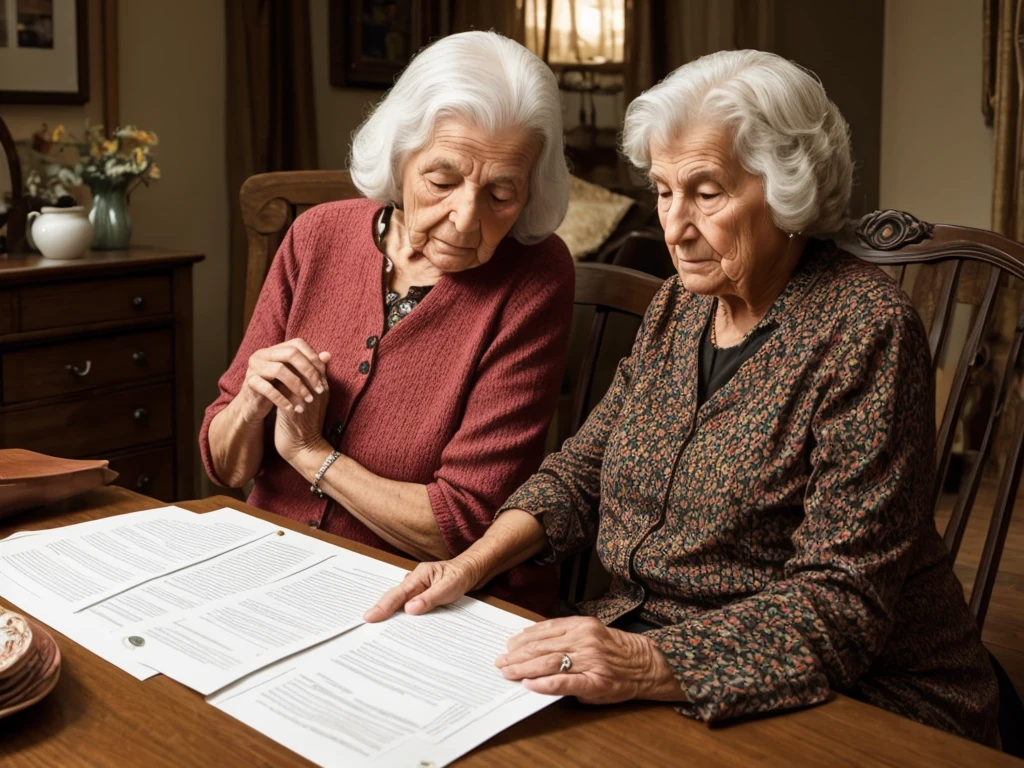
(596, 37)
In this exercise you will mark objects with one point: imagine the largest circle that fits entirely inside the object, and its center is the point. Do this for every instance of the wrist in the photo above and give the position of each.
(309, 458)
(659, 682)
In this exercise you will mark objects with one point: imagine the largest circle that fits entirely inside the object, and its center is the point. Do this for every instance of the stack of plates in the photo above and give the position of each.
(29, 662)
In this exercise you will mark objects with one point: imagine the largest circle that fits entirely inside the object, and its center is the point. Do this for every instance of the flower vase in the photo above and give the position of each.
(112, 226)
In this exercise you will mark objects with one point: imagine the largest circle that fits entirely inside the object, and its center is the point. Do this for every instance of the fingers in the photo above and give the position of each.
(263, 387)
(289, 360)
(425, 588)
(287, 380)
(317, 362)
(565, 684)
(524, 652)
(552, 628)
(415, 582)
(540, 665)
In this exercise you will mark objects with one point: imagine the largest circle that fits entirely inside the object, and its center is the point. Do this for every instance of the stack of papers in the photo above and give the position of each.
(267, 623)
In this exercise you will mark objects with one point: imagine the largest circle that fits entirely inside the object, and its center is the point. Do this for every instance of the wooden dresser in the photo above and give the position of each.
(96, 362)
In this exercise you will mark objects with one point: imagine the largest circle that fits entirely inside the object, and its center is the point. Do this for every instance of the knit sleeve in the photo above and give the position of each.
(500, 440)
(267, 327)
(565, 492)
(821, 625)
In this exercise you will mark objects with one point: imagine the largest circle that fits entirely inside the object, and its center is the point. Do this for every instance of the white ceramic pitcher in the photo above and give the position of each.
(60, 233)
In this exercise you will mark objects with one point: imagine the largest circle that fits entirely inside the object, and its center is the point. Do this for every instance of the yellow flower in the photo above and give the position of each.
(145, 137)
(140, 156)
(58, 133)
(109, 147)
(96, 151)
(154, 171)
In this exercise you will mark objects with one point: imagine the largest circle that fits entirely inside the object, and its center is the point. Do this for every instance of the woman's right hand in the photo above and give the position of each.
(284, 376)
(425, 587)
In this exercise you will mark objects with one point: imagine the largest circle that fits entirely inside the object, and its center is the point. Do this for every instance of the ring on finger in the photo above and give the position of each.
(566, 663)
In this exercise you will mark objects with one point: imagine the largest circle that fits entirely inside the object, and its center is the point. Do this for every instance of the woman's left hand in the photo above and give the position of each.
(297, 431)
(608, 665)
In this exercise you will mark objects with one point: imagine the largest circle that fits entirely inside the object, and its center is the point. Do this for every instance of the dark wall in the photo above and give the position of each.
(841, 41)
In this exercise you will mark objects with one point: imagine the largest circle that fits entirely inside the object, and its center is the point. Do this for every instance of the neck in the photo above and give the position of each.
(739, 313)
(408, 266)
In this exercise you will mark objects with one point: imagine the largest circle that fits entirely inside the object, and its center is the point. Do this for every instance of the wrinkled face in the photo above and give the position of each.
(716, 221)
(463, 193)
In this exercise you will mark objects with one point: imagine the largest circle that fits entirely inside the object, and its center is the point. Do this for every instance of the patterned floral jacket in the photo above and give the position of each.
(782, 532)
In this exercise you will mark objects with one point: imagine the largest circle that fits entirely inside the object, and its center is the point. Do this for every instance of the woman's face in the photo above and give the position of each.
(716, 221)
(462, 193)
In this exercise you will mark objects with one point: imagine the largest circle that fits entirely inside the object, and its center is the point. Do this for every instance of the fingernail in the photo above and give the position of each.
(320, 389)
(309, 398)
(414, 605)
(501, 660)
(298, 409)
(372, 614)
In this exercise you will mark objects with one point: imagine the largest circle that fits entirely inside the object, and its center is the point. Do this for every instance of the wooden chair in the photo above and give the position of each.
(896, 240)
(15, 217)
(609, 290)
(270, 203)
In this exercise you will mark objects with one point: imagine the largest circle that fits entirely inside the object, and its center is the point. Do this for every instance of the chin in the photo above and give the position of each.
(705, 285)
(447, 261)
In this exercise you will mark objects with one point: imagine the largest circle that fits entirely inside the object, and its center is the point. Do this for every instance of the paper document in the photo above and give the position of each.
(413, 690)
(279, 553)
(79, 568)
(208, 648)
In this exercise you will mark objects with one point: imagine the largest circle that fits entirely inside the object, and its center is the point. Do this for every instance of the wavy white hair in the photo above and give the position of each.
(493, 83)
(784, 128)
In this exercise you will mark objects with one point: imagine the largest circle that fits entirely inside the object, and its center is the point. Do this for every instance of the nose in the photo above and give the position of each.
(679, 225)
(464, 213)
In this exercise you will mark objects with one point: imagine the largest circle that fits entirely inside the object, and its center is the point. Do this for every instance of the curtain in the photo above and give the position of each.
(271, 118)
(504, 16)
(1005, 25)
(665, 34)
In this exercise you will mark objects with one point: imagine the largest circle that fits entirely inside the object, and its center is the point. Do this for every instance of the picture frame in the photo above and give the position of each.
(44, 52)
(371, 41)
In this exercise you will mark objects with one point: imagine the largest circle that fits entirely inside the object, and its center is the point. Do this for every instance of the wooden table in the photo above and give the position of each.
(100, 716)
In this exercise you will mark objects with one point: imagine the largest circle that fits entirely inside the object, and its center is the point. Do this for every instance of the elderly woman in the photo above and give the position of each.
(757, 478)
(403, 362)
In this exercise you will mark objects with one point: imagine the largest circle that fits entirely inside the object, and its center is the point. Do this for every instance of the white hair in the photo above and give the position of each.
(493, 83)
(784, 129)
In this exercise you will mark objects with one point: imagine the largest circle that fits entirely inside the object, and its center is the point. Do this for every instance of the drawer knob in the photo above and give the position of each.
(138, 302)
(142, 482)
(81, 372)
(139, 357)
(140, 414)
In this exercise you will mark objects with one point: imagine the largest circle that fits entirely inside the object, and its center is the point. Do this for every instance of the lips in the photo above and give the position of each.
(446, 246)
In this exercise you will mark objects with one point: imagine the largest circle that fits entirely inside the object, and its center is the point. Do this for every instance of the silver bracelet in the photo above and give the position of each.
(315, 487)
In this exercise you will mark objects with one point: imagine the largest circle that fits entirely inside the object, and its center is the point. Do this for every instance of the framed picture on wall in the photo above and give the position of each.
(371, 41)
(44, 52)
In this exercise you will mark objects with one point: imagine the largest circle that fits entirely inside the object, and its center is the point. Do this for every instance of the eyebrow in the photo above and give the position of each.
(507, 178)
(705, 174)
(441, 164)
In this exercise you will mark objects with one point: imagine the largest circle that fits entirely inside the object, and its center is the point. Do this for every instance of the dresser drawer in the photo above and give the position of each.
(95, 301)
(93, 426)
(6, 312)
(60, 369)
(149, 472)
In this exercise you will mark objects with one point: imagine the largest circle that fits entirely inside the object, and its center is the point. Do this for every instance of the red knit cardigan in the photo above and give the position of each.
(458, 396)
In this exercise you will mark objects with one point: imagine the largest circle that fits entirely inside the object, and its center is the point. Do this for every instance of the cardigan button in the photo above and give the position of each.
(372, 342)
(364, 367)
(313, 522)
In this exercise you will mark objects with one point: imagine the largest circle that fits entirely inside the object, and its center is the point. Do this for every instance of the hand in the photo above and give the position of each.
(608, 665)
(427, 586)
(286, 376)
(301, 429)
